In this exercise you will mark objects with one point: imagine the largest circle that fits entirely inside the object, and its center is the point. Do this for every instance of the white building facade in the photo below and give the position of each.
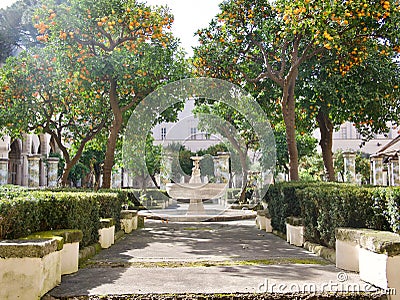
(185, 131)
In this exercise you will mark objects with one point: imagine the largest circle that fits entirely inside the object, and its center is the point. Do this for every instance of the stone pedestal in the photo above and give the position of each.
(3, 171)
(350, 166)
(33, 171)
(52, 171)
(196, 207)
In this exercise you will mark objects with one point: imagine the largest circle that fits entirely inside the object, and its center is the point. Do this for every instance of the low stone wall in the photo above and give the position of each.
(263, 220)
(68, 240)
(29, 268)
(106, 233)
(129, 220)
(379, 259)
(375, 254)
(295, 231)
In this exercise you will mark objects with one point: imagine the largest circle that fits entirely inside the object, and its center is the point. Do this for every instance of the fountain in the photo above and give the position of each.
(195, 190)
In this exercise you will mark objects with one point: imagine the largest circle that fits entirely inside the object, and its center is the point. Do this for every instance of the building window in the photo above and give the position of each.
(193, 133)
(358, 135)
(163, 133)
(343, 133)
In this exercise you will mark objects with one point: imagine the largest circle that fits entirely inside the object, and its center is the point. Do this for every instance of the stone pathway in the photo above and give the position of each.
(231, 257)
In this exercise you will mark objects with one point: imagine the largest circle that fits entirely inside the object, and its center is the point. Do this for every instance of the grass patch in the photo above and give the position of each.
(198, 228)
(199, 264)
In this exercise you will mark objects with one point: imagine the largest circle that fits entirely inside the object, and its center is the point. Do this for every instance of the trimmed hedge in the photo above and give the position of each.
(325, 206)
(131, 197)
(282, 203)
(35, 211)
(24, 211)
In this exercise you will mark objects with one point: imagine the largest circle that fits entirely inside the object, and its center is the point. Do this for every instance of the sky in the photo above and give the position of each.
(190, 15)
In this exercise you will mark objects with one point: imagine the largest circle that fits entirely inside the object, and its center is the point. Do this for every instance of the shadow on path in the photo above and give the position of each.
(195, 258)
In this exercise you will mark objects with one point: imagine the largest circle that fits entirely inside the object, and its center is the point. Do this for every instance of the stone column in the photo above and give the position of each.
(377, 169)
(221, 167)
(396, 162)
(3, 171)
(350, 166)
(25, 153)
(52, 171)
(394, 168)
(33, 170)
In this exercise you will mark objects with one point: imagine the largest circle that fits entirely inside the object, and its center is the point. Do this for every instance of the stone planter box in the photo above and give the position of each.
(348, 247)
(29, 268)
(129, 220)
(70, 239)
(263, 220)
(295, 231)
(106, 233)
(379, 260)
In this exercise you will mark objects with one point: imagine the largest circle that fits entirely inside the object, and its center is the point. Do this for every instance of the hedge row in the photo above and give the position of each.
(131, 197)
(325, 206)
(23, 213)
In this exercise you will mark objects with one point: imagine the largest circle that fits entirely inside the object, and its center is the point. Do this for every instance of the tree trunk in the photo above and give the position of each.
(64, 177)
(289, 117)
(242, 197)
(326, 129)
(153, 178)
(69, 163)
(112, 138)
(243, 157)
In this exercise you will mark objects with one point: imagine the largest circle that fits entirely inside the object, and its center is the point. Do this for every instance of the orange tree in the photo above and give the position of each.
(37, 95)
(367, 95)
(260, 41)
(124, 49)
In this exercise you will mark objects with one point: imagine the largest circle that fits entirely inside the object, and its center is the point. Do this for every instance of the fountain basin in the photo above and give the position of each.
(195, 190)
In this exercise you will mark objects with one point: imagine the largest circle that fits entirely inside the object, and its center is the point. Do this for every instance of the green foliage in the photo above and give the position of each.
(363, 167)
(329, 55)
(312, 168)
(339, 164)
(25, 212)
(78, 172)
(326, 206)
(306, 145)
(181, 162)
(16, 30)
(282, 203)
(387, 205)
